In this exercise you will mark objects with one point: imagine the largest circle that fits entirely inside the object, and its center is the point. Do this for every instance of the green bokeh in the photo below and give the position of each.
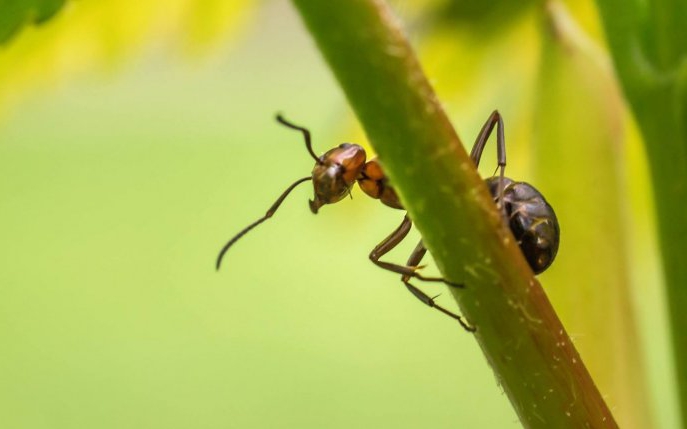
(117, 193)
(17, 13)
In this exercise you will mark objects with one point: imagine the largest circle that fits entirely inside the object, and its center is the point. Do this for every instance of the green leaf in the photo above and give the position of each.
(648, 43)
(492, 16)
(14, 14)
(578, 154)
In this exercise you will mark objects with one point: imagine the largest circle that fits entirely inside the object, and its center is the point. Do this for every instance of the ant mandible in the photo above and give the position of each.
(530, 218)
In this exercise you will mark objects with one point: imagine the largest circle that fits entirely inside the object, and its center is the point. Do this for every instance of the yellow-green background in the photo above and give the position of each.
(123, 175)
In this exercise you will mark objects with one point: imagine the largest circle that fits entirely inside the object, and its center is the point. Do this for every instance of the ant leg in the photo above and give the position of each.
(485, 132)
(415, 259)
(476, 152)
(392, 241)
(306, 136)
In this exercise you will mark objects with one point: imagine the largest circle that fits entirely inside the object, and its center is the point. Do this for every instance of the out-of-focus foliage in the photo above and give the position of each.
(14, 14)
(100, 34)
(488, 19)
(564, 128)
(648, 42)
(576, 85)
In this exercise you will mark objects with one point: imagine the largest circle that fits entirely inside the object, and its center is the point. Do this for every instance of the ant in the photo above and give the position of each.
(530, 218)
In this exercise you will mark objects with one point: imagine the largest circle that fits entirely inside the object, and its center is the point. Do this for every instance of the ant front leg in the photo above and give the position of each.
(414, 260)
(406, 270)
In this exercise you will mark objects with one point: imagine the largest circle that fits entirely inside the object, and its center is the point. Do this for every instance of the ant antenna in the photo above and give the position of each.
(268, 215)
(306, 136)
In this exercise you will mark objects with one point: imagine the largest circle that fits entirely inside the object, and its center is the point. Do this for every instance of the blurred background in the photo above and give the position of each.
(135, 139)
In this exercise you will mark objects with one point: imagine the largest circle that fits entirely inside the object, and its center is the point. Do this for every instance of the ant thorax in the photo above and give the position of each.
(375, 183)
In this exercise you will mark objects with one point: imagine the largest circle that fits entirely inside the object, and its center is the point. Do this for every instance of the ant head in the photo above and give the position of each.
(335, 174)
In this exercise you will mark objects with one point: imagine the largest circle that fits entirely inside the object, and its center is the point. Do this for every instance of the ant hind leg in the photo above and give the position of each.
(494, 120)
(415, 259)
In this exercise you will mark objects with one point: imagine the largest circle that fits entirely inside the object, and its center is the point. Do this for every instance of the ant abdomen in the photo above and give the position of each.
(531, 219)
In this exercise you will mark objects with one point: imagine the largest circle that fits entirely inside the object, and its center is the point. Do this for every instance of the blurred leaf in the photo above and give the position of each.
(578, 155)
(473, 77)
(115, 30)
(490, 14)
(211, 21)
(14, 14)
(665, 29)
(648, 43)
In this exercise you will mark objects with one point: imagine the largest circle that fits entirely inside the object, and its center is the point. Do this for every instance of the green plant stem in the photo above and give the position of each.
(656, 91)
(521, 336)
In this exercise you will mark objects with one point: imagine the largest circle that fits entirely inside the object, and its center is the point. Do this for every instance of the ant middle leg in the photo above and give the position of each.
(414, 260)
(406, 270)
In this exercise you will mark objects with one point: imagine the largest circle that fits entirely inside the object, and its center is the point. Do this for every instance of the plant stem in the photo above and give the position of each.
(520, 335)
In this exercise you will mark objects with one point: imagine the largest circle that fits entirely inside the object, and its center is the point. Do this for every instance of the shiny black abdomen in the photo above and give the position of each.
(532, 221)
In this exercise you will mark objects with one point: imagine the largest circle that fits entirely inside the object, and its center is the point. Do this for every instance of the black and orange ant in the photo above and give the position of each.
(530, 218)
